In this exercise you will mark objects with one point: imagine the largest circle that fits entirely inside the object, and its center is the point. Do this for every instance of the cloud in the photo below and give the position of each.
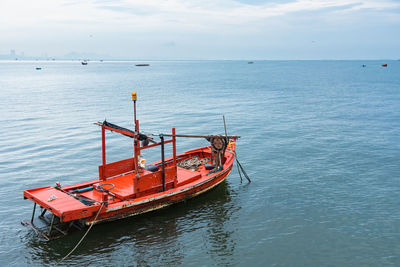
(159, 13)
(239, 24)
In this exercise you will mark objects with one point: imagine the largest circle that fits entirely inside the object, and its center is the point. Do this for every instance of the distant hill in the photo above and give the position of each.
(73, 55)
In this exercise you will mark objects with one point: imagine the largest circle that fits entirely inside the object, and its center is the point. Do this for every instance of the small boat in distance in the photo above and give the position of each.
(130, 186)
(250, 62)
(38, 68)
(384, 65)
(142, 65)
(84, 62)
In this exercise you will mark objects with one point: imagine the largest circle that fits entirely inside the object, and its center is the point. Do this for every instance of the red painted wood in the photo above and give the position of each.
(115, 168)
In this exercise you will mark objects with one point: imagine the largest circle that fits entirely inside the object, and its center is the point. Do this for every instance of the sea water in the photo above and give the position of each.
(319, 139)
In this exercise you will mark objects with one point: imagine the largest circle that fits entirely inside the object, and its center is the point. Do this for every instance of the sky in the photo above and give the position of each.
(203, 29)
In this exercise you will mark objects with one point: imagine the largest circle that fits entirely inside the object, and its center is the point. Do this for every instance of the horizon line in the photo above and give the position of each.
(119, 59)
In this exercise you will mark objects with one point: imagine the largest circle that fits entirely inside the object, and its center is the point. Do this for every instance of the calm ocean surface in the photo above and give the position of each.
(320, 140)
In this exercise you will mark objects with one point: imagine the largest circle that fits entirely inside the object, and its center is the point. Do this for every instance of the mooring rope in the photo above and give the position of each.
(240, 167)
(83, 237)
(237, 166)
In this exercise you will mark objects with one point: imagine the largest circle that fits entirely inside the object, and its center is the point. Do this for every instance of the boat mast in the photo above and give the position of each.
(134, 97)
(136, 147)
(103, 151)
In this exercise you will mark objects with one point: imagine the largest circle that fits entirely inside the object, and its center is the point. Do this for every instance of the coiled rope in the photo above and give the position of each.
(83, 237)
(193, 163)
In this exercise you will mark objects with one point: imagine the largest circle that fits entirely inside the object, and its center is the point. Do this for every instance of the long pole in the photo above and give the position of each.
(134, 109)
(103, 151)
(173, 146)
(162, 161)
(134, 98)
(226, 137)
(174, 157)
(33, 213)
(226, 133)
(196, 136)
(136, 149)
(103, 142)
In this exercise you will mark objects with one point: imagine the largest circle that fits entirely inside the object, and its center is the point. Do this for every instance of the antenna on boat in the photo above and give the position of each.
(136, 148)
(226, 133)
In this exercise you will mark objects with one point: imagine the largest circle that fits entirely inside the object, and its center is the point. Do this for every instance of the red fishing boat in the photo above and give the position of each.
(130, 187)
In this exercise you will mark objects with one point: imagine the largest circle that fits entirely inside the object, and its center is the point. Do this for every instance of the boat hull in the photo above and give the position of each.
(170, 197)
